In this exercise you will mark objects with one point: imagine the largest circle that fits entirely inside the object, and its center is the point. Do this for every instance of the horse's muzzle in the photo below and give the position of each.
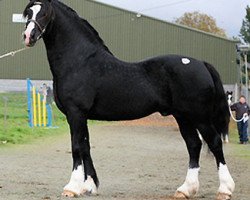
(29, 39)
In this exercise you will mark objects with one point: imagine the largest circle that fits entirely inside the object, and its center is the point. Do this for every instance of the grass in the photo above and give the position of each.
(238, 150)
(14, 127)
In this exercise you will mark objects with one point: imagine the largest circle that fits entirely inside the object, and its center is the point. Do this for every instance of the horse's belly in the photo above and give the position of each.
(112, 113)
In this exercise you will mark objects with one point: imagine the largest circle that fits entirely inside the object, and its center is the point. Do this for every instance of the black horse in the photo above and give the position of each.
(90, 83)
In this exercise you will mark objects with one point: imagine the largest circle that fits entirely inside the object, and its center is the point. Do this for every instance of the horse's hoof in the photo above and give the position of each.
(180, 195)
(223, 196)
(89, 193)
(70, 194)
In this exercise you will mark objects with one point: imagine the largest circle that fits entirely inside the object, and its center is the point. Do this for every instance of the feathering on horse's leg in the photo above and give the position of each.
(83, 178)
(191, 185)
(214, 142)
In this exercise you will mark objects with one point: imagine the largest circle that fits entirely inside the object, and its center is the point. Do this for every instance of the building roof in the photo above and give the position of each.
(165, 21)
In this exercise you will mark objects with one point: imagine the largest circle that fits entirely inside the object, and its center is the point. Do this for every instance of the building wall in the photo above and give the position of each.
(129, 37)
(31, 63)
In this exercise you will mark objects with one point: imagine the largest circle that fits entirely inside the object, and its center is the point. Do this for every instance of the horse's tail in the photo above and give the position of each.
(221, 115)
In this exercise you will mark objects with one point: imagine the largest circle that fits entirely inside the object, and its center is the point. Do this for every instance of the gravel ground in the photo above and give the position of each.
(132, 162)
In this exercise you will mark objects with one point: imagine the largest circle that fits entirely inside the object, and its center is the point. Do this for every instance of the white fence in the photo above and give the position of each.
(7, 85)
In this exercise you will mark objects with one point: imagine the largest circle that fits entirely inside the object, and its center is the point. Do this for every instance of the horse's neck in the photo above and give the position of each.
(61, 31)
(68, 27)
(67, 40)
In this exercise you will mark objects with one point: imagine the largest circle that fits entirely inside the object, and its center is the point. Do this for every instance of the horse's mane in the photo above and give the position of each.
(84, 23)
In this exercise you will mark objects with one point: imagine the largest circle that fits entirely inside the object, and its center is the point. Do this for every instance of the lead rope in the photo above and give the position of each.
(244, 117)
(12, 53)
(236, 120)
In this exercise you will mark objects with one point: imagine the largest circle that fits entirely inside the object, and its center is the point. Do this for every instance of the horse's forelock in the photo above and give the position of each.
(36, 2)
(31, 3)
(26, 9)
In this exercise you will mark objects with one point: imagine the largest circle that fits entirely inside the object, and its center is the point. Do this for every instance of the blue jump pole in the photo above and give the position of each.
(49, 114)
(29, 101)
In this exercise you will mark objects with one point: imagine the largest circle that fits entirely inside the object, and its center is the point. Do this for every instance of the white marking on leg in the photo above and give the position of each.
(89, 186)
(36, 9)
(227, 184)
(226, 138)
(201, 138)
(185, 61)
(76, 183)
(191, 185)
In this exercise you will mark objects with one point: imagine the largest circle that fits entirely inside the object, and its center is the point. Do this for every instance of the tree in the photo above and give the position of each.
(201, 21)
(245, 28)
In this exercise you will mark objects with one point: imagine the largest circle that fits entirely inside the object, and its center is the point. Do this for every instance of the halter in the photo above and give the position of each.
(42, 30)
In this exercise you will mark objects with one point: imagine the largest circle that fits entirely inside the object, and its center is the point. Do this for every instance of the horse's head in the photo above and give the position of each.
(39, 14)
(229, 95)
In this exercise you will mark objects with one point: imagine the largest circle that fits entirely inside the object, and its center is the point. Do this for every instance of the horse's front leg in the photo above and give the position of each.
(83, 178)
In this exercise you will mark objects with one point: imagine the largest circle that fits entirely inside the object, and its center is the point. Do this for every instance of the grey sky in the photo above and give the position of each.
(228, 13)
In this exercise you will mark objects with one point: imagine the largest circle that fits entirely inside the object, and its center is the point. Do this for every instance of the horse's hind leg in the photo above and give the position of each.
(225, 134)
(214, 142)
(191, 185)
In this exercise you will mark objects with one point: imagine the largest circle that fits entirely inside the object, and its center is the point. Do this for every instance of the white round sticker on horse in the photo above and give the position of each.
(185, 61)
(36, 9)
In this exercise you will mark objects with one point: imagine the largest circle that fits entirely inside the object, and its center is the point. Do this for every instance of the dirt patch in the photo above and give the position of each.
(132, 162)
(153, 120)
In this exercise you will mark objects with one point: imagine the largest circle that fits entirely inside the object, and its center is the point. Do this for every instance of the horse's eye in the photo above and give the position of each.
(43, 14)
(26, 25)
(29, 13)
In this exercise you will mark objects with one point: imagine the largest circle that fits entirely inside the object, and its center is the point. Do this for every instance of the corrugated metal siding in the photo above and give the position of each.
(130, 38)
(31, 63)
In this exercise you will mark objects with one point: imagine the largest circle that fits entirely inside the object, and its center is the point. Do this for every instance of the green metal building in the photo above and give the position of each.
(131, 37)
